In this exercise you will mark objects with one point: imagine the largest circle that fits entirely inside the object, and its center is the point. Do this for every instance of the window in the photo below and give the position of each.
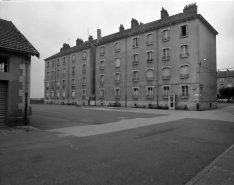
(184, 71)
(166, 36)
(117, 92)
(57, 84)
(135, 75)
(117, 77)
(135, 59)
(58, 94)
(63, 84)
(149, 39)
(48, 64)
(102, 50)
(102, 65)
(149, 56)
(221, 79)
(58, 62)
(117, 62)
(52, 94)
(102, 91)
(52, 63)
(64, 60)
(73, 81)
(166, 55)
(135, 42)
(47, 95)
(73, 94)
(183, 31)
(150, 92)
(149, 74)
(52, 74)
(102, 79)
(73, 70)
(83, 92)
(58, 73)
(84, 55)
(52, 84)
(117, 47)
(47, 85)
(73, 58)
(184, 51)
(64, 71)
(64, 94)
(184, 91)
(48, 75)
(83, 81)
(3, 64)
(84, 68)
(165, 91)
(135, 92)
(166, 73)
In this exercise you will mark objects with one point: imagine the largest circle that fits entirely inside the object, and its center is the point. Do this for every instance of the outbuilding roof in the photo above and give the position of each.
(11, 39)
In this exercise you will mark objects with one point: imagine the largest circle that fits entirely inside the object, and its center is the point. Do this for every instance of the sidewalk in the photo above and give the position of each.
(219, 172)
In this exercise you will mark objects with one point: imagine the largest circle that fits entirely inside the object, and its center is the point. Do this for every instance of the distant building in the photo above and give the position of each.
(167, 62)
(225, 79)
(15, 65)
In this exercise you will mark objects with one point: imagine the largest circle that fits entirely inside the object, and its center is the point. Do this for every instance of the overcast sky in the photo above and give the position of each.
(49, 24)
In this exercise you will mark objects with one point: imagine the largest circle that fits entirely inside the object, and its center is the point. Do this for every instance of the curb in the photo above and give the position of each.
(207, 169)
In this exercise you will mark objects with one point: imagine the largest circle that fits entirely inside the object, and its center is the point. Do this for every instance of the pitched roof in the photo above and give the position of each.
(11, 39)
(73, 49)
(225, 74)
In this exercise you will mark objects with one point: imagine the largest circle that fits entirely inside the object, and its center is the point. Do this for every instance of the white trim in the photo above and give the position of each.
(101, 74)
(135, 70)
(117, 88)
(187, 23)
(185, 44)
(102, 60)
(164, 67)
(135, 54)
(184, 85)
(164, 29)
(150, 86)
(136, 87)
(84, 51)
(150, 33)
(84, 64)
(149, 69)
(117, 42)
(150, 51)
(188, 64)
(117, 73)
(166, 48)
(135, 37)
(166, 86)
(118, 57)
(102, 46)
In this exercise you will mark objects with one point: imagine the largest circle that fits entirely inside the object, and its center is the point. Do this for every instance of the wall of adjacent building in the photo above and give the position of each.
(18, 85)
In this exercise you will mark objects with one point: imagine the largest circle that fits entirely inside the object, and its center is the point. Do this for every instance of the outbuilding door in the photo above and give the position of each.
(3, 103)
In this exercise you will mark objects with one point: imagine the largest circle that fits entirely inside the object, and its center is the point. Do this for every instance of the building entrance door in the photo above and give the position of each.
(172, 102)
(3, 103)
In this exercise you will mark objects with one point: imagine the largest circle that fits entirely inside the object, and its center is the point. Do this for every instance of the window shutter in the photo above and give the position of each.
(166, 72)
(117, 62)
(184, 70)
(150, 74)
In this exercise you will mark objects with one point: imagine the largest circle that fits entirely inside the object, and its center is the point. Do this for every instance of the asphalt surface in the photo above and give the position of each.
(167, 153)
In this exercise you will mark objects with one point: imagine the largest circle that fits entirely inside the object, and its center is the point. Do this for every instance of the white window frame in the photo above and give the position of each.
(149, 93)
(147, 54)
(73, 57)
(181, 90)
(119, 62)
(100, 94)
(83, 92)
(117, 88)
(133, 92)
(180, 27)
(163, 91)
(84, 55)
(102, 53)
(135, 44)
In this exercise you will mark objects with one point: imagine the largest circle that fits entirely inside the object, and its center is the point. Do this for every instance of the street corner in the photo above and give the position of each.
(5, 131)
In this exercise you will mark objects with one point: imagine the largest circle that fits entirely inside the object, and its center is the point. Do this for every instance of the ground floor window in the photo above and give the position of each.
(184, 91)
(150, 91)
(73, 94)
(102, 93)
(166, 91)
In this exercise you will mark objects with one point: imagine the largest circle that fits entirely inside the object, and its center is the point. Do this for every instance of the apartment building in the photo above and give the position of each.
(69, 74)
(225, 79)
(167, 63)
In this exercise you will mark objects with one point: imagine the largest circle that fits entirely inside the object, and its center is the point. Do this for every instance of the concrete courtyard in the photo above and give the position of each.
(100, 145)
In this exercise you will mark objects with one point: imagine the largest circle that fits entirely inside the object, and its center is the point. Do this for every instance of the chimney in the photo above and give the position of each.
(134, 23)
(99, 35)
(164, 14)
(65, 46)
(121, 28)
(90, 38)
(79, 42)
(191, 8)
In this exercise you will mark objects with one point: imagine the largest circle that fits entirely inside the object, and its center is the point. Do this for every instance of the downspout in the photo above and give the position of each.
(126, 93)
(26, 90)
(157, 65)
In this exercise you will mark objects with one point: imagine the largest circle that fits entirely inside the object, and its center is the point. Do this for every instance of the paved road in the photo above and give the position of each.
(162, 147)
